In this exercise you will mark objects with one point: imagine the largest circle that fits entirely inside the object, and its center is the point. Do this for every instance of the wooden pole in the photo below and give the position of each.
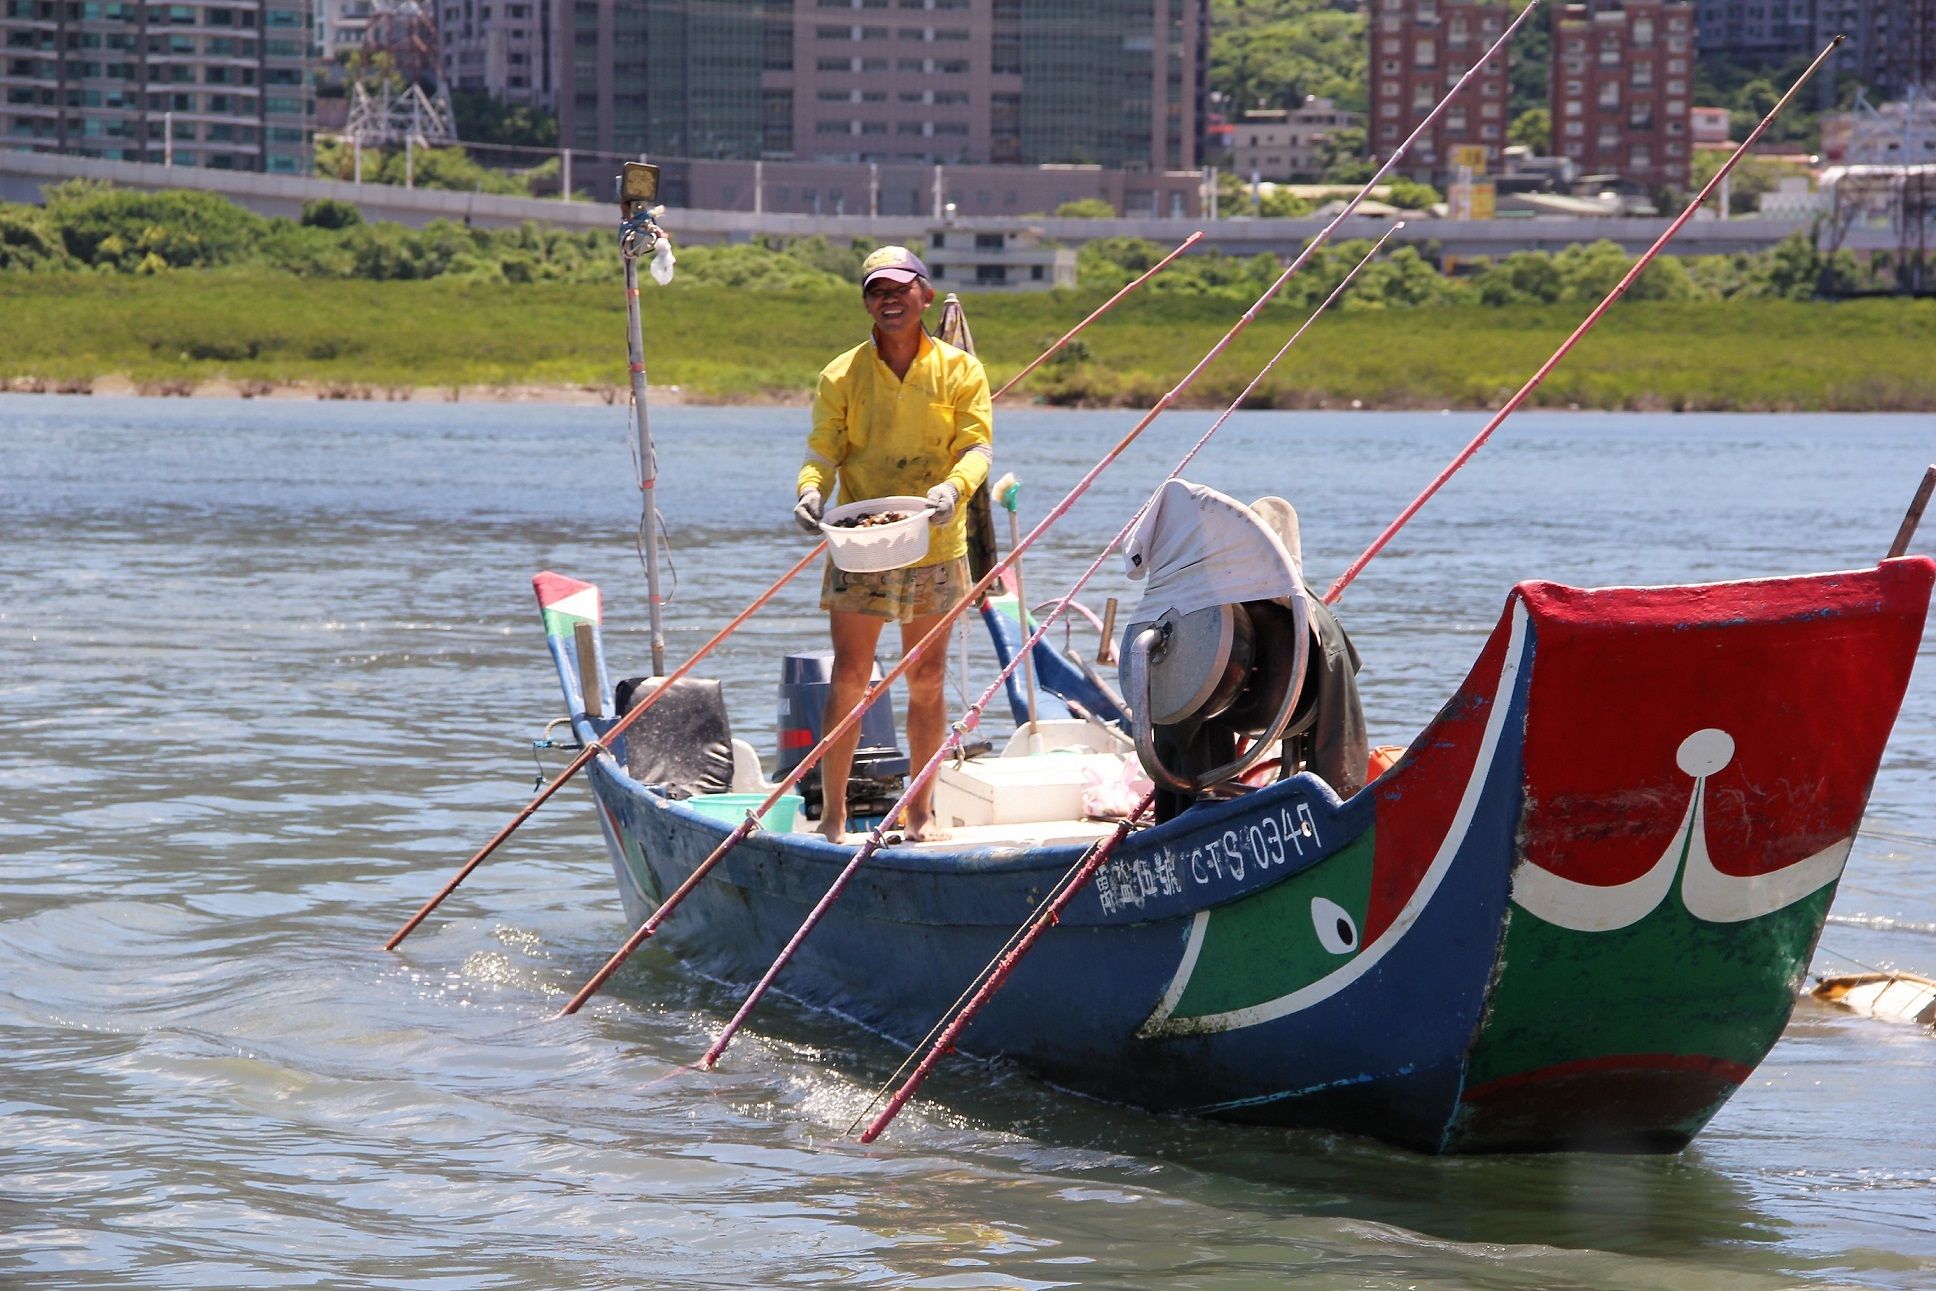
(1914, 516)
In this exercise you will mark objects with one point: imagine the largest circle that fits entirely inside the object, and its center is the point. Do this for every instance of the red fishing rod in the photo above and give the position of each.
(1586, 325)
(595, 747)
(600, 745)
(1005, 964)
(876, 839)
(813, 756)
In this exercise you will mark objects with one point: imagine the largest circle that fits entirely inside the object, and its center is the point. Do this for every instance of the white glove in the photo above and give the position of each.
(806, 512)
(944, 498)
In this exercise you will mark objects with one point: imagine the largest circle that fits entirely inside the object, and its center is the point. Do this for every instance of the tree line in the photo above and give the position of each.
(89, 227)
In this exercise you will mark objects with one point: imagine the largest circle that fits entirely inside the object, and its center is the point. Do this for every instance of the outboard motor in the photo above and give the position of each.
(880, 767)
(1216, 651)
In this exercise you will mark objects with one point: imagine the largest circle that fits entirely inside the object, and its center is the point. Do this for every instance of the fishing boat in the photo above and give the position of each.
(1574, 914)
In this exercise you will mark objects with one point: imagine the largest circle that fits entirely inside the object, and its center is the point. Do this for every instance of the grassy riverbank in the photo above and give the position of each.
(257, 331)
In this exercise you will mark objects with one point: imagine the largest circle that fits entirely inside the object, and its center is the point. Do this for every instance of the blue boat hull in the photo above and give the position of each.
(1477, 952)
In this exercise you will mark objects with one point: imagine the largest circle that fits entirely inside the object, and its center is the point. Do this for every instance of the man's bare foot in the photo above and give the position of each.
(922, 829)
(834, 831)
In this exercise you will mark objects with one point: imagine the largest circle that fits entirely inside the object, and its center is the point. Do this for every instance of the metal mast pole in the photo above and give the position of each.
(648, 464)
(639, 236)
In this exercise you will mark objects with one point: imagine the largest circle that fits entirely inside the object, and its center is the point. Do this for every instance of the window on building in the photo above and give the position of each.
(1610, 94)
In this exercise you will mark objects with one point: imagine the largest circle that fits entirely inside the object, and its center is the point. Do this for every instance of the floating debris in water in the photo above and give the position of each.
(1893, 997)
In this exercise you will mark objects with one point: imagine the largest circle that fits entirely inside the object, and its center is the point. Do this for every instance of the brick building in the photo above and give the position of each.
(1419, 48)
(220, 84)
(1622, 82)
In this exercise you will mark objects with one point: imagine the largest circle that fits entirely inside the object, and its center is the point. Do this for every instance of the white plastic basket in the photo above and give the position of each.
(880, 546)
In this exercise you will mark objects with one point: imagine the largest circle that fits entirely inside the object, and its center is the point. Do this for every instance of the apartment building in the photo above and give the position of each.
(1115, 83)
(219, 84)
(502, 47)
(1419, 49)
(1287, 144)
(1622, 81)
(340, 26)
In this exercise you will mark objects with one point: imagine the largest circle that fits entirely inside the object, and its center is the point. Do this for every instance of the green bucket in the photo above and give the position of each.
(731, 808)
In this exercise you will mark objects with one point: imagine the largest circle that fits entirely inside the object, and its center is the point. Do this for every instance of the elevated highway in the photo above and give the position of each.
(24, 174)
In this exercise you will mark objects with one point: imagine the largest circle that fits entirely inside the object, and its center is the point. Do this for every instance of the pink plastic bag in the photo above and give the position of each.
(1112, 795)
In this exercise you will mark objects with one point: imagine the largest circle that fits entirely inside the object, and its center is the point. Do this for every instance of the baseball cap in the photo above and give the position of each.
(896, 264)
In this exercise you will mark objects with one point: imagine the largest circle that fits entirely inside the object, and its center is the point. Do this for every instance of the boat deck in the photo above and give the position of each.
(1029, 834)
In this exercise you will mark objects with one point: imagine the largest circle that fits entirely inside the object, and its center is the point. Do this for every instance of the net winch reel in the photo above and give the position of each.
(1215, 654)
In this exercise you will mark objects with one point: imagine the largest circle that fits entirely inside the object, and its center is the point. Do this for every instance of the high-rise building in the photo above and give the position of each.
(220, 84)
(500, 47)
(1117, 83)
(1622, 82)
(1419, 49)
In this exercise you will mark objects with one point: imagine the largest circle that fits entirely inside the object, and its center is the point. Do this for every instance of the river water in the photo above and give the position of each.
(270, 670)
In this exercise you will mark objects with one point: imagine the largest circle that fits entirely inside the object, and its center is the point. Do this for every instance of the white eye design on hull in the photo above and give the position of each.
(1337, 931)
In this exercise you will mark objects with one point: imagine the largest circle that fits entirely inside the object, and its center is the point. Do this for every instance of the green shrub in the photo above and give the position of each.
(330, 213)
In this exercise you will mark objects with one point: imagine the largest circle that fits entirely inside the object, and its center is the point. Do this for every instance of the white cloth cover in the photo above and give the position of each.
(1196, 547)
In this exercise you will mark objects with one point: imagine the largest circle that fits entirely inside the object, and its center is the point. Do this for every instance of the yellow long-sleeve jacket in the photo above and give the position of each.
(880, 435)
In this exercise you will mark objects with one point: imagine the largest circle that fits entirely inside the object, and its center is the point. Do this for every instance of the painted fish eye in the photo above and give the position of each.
(1337, 931)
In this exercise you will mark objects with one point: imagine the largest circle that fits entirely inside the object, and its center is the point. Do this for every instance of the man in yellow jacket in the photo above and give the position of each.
(900, 413)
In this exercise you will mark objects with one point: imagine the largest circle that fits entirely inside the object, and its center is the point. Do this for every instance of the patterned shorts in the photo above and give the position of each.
(898, 594)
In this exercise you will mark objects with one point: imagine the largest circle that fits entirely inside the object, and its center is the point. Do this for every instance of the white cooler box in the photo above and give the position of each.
(1017, 791)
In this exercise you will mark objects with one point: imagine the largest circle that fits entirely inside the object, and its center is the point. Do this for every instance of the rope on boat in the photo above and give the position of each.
(544, 741)
(876, 838)
(1867, 968)
(981, 585)
(1896, 836)
(665, 545)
